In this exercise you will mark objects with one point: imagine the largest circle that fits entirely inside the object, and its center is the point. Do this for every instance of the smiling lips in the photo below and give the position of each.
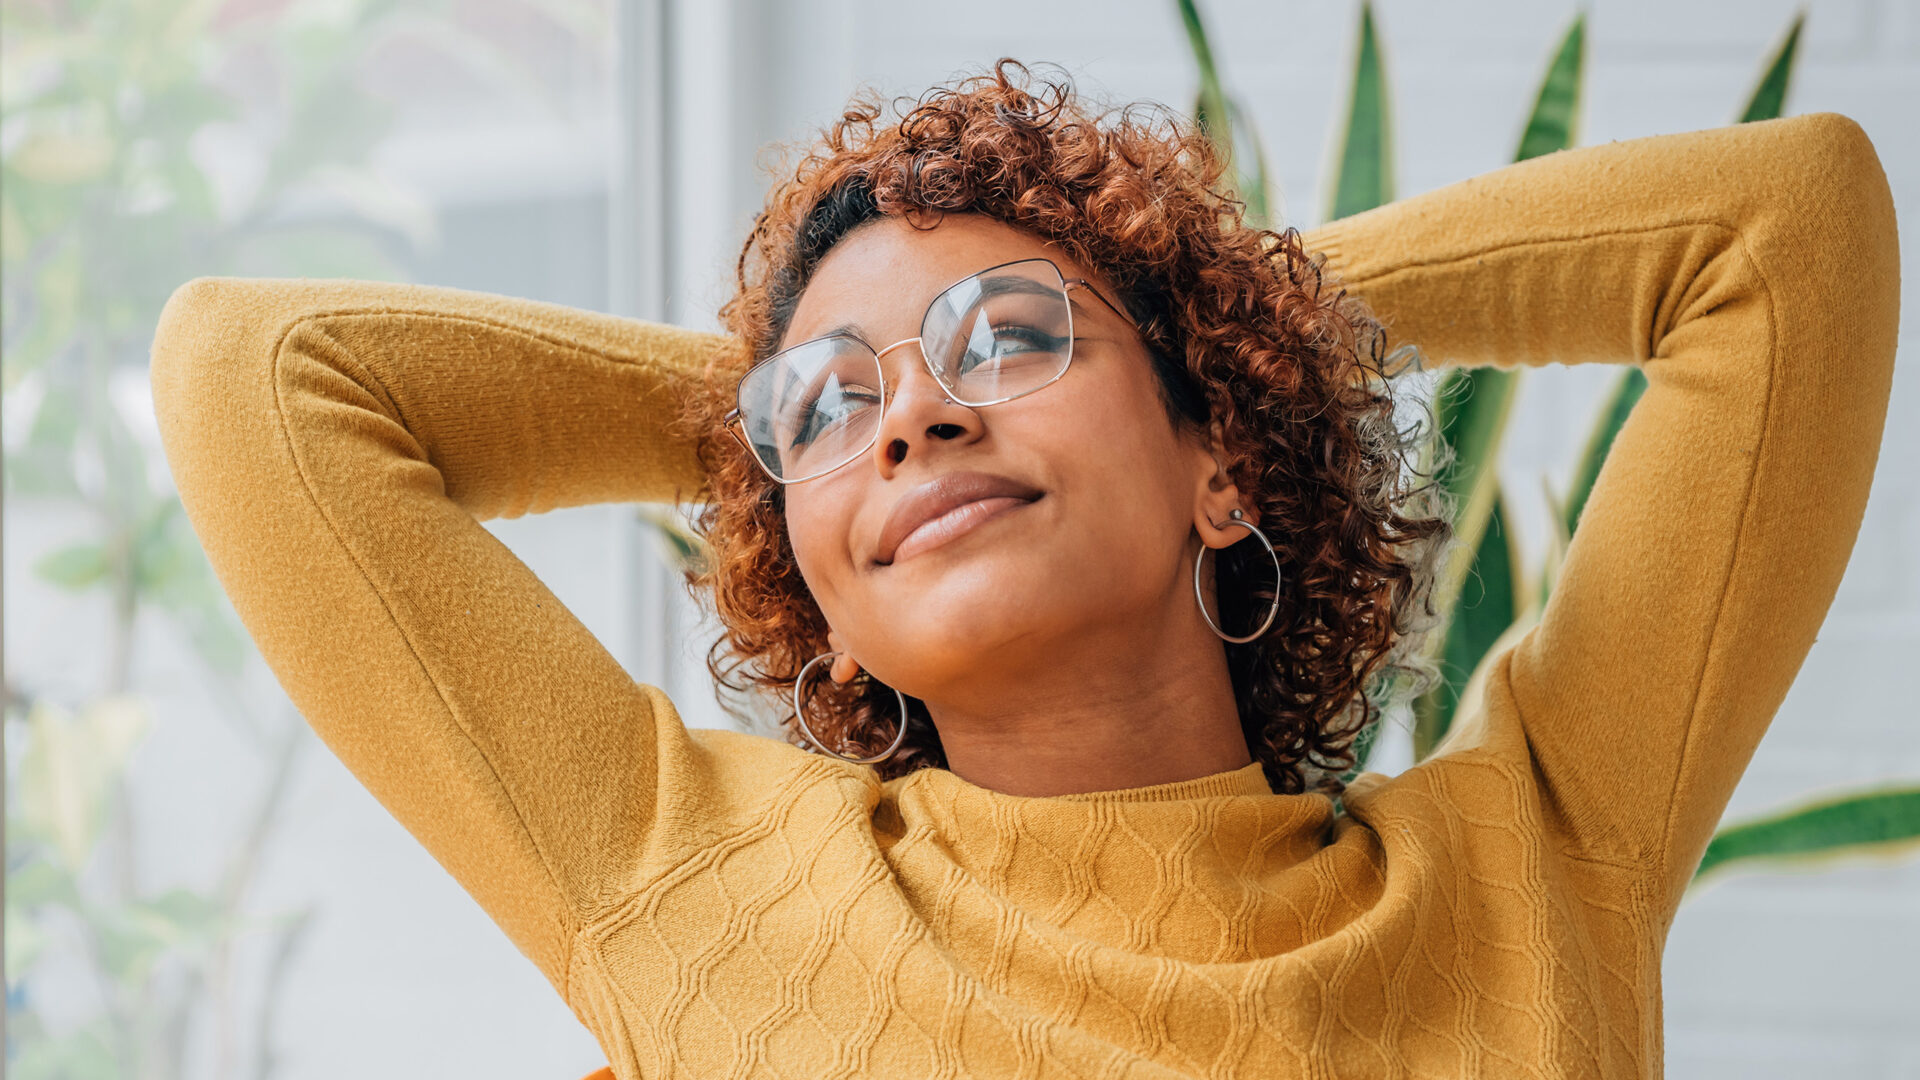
(945, 508)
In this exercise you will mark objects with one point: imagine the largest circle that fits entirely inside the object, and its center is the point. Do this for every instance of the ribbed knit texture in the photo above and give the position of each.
(714, 904)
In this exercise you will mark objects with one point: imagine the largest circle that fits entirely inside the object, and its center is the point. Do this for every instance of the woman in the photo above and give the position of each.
(1018, 374)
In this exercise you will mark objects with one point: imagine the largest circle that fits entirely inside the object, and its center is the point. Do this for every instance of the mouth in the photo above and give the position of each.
(947, 508)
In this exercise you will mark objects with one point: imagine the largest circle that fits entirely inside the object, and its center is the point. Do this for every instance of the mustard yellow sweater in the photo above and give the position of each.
(714, 904)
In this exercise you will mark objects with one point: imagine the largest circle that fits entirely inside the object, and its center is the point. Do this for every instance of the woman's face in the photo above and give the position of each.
(970, 546)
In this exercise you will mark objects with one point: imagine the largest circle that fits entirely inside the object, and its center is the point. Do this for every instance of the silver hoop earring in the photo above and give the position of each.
(1235, 517)
(800, 714)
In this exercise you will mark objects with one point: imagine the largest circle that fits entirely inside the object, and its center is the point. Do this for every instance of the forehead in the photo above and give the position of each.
(880, 278)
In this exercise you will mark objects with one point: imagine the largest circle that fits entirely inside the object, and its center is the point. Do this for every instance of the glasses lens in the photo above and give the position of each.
(1001, 333)
(812, 408)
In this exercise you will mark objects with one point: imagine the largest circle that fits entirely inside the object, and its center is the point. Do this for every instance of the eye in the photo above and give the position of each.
(832, 408)
(996, 343)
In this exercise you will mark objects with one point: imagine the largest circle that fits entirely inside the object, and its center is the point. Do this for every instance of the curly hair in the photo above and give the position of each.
(1247, 331)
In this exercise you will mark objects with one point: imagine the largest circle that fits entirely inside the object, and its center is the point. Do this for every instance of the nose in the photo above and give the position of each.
(918, 413)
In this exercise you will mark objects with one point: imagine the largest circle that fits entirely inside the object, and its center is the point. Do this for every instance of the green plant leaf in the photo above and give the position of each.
(25, 937)
(1473, 694)
(48, 319)
(1558, 541)
(680, 547)
(172, 574)
(1224, 121)
(159, 559)
(1554, 122)
(1471, 406)
(1365, 179)
(179, 918)
(40, 881)
(85, 1053)
(1488, 603)
(76, 566)
(44, 466)
(1627, 390)
(1876, 820)
(68, 771)
(1210, 112)
(1769, 98)
(1254, 186)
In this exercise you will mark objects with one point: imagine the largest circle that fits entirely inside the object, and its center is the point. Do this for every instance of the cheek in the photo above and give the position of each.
(819, 520)
(1125, 482)
(1115, 433)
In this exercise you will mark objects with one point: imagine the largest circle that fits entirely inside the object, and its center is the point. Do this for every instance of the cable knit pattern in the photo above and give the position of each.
(713, 904)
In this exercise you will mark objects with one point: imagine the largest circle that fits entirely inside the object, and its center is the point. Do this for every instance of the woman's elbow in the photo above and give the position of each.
(208, 362)
(1842, 182)
(194, 337)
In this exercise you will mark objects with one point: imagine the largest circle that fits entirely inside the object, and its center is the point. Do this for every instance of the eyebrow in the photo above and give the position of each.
(1002, 284)
(1009, 284)
(851, 330)
(996, 285)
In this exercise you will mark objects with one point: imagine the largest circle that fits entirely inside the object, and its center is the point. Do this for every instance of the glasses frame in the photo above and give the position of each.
(736, 426)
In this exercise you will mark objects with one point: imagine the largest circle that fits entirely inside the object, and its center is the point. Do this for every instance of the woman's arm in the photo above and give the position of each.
(334, 443)
(1753, 272)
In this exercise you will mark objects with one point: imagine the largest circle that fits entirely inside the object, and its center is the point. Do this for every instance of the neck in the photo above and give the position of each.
(1108, 711)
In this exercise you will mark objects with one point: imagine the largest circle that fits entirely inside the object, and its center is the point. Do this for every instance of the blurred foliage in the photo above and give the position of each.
(136, 152)
(680, 546)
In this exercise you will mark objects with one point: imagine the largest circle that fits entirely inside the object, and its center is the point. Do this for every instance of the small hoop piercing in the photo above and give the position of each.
(1235, 517)
(800, 714)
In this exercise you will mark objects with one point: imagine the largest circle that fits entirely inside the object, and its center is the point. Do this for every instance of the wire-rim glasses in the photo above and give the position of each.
(993, 336)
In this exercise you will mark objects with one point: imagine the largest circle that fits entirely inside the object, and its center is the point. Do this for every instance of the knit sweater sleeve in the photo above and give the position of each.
(335, 445)
(1753, 274)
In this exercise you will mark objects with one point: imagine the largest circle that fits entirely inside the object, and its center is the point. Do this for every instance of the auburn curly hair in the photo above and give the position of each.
(1247, 331)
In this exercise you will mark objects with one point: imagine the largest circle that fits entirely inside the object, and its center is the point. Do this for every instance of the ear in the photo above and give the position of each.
(1216, 496)
(844, 667)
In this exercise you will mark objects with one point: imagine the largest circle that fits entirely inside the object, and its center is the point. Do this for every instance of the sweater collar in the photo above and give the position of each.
(945, 786)
(1138, 868)
(1246, 780)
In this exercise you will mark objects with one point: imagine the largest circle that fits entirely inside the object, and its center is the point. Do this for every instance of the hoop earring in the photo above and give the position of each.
(800, 714)
(1235, 517)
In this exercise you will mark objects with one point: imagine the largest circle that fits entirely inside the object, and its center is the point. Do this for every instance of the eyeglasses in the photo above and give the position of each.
(988, 338)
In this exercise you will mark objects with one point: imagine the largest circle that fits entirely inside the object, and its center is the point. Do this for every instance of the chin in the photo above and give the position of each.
(951, 615)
